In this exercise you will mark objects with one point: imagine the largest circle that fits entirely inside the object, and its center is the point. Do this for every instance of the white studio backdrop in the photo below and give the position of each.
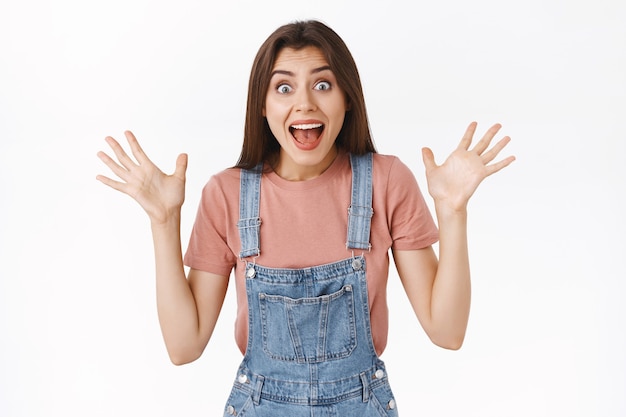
(78, 328)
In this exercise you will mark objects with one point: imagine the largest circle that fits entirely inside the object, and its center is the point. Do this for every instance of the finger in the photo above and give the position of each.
(484, 142)
(136, 149)
(113, 166)
(495, 150)
(429, 159)
(492, 169)
(181, 166)
(121, 155)
(467, 137)
(116, 185)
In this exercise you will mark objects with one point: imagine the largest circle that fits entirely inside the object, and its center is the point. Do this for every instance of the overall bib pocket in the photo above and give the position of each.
(308, 330)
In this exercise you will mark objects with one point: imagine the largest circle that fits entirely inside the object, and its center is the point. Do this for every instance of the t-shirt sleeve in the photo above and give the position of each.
(209, 249)
(411, 223)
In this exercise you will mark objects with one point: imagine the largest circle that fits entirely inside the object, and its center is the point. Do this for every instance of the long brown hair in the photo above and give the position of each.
(259, 143)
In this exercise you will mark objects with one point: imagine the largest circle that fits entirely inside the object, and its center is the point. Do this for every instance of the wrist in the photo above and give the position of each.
(446, 208)
(450, 217)
(166, 220)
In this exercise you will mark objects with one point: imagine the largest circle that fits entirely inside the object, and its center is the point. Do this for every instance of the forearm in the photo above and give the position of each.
(451, 293)
(176, 306)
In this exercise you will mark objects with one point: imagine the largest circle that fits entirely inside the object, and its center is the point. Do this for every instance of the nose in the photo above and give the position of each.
(305, 102)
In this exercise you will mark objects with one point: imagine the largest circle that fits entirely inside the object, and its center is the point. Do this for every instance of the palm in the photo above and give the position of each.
(158, 193)
(456, 180)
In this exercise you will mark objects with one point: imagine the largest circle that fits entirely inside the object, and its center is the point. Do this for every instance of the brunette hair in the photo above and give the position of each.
(259, 144)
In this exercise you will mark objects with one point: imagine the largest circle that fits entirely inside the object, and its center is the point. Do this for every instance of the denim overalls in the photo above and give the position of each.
(310, 351)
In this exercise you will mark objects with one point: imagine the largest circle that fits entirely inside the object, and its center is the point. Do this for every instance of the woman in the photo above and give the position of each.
(306, 219)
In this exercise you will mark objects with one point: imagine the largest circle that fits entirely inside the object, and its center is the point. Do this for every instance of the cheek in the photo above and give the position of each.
(340, 114)
(339, 107)
(275, 109)
(276, 126)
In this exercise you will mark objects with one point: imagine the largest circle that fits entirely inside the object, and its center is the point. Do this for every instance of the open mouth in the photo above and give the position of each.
(306, 133)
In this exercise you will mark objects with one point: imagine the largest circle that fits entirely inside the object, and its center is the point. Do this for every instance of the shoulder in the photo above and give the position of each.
(224, 179)
(390, 168)
(222, 186)
(227, 175)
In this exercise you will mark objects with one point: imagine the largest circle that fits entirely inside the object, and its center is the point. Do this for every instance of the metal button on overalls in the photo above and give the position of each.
(250, 272)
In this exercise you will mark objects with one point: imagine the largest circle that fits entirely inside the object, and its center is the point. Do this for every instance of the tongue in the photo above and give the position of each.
(307, 135)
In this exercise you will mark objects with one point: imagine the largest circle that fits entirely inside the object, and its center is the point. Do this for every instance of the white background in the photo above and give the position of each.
(78, 327)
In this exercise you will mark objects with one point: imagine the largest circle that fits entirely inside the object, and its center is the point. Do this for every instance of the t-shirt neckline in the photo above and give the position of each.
(323, 178)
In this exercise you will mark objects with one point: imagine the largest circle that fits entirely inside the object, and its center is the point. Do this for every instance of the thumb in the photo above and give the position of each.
(181, 166)
(428, 158)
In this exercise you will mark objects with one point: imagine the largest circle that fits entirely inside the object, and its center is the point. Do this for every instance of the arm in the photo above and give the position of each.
(187, 308)
(440, 290)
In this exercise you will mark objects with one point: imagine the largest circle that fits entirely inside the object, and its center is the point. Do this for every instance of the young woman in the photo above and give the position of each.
(306, 219)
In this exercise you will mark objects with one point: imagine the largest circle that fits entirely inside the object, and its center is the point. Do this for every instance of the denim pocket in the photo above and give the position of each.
(311, 329)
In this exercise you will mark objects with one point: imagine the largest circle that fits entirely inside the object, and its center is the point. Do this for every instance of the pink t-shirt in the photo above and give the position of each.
(304, 223)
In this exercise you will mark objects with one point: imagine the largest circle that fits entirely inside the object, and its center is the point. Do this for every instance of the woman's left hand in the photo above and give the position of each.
(456, 180)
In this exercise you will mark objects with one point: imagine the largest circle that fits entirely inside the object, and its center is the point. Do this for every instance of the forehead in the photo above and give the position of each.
(307, 56)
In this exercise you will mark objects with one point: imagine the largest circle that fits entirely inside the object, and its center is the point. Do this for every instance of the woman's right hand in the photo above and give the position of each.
(159, 194)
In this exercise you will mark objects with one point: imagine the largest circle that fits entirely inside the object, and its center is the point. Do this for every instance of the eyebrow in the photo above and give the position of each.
(291, 74)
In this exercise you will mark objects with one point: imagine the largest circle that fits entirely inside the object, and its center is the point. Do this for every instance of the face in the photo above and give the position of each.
(305, 109)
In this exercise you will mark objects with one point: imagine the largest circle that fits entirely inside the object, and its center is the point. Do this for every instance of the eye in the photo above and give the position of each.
(284, 89)
(322, 86)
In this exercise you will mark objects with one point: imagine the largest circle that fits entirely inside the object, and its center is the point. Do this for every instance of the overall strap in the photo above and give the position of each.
(249, 223)
(360, 211)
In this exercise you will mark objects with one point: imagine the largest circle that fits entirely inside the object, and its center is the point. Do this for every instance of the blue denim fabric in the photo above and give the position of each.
(310, 351)
(360, 211)
(249, 223)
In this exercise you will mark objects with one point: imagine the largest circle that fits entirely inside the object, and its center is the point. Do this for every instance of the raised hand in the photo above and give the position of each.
(456, 180)
(159, 194)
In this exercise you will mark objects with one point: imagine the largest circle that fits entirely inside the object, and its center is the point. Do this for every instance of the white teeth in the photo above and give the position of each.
(307, 126)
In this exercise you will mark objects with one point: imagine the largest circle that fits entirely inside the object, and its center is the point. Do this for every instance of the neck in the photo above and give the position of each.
(291, 171)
